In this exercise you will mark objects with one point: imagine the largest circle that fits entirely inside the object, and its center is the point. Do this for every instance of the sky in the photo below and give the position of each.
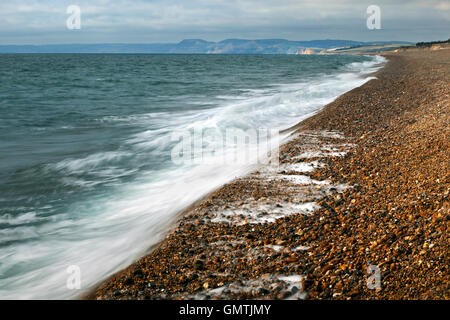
(149, 21)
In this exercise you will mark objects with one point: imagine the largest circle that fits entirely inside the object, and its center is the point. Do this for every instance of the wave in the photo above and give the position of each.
(90, 162)
(107, 232)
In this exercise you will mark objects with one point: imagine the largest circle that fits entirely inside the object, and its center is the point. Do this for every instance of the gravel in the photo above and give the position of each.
(380, 195)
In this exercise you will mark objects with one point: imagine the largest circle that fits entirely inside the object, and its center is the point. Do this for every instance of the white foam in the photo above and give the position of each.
(89, 162)
(254, 286)
(320, 154)
(274, 247)
(302, 248)
(262, 213)
(300, 179)
(29, 217)
(300, 167)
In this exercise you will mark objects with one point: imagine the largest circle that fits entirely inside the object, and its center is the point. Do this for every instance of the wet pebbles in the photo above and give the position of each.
(363, 183)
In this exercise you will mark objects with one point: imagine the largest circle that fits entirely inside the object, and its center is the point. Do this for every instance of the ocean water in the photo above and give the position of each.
(86, 173)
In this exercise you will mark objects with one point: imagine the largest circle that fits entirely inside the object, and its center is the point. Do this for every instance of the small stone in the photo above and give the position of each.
(291, 259)
(283, 295)
(199, 264)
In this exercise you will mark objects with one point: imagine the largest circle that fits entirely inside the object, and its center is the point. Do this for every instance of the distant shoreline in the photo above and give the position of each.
(199, 46)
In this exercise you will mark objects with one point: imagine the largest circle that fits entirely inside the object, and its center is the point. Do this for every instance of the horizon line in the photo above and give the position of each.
(164, 43)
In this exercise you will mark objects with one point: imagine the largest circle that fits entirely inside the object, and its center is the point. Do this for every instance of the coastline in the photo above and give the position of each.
(354, 163)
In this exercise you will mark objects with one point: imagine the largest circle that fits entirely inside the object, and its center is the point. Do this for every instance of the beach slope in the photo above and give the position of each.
(358, 207)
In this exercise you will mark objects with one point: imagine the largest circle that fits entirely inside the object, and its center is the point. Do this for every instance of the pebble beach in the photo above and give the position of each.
(362, 186)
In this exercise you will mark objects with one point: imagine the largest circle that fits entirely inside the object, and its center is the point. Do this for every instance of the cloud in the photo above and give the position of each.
(33, 21)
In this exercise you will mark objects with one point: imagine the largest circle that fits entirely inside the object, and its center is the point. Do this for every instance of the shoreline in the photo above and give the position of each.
(325, 207)
(288, 131)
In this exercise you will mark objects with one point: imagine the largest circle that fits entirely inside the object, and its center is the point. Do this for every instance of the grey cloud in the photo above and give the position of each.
(39, 22)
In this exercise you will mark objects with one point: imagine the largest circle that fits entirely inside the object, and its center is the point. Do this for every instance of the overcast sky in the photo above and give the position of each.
(145, 21)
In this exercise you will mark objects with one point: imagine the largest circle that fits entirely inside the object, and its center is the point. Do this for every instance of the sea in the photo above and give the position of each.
(88, 183)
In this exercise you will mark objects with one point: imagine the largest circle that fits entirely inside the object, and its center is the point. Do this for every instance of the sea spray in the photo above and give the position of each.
(88, 178)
